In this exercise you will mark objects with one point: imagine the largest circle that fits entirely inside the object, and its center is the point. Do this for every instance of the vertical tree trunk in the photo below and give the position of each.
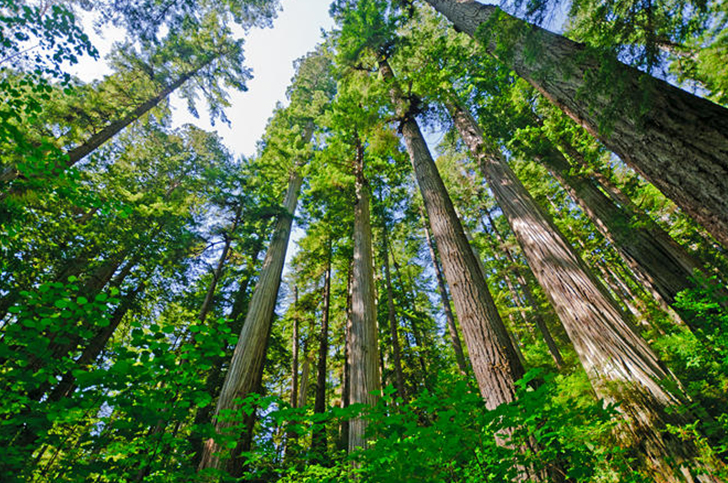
(318, 436)
(678, 141)
(620, 365)
(392, 317)
(364, 350)
(444, 299)
(530, 298)
(249, 355)
(346, 376)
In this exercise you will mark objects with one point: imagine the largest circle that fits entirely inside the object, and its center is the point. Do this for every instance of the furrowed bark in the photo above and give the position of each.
(676, 140)
(621, 366)
(249, 354)
(530, 298)
(492, 356)
(363, 356)
(646, 248)
(445, 300)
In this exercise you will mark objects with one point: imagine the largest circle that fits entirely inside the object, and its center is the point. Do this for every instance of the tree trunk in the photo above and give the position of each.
(492, 355)
(444, 299)
(249, 355)
(318, 436)
(392, 317)
(620, 365)
(364, 351)
(646, 248)
(216, 274)
(115, 127)
(530, 299)
(677, 141)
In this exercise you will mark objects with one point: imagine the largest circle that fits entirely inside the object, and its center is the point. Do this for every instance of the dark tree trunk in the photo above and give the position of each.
(318, 436)
(392, 317)
(677, 141)
(621, 366)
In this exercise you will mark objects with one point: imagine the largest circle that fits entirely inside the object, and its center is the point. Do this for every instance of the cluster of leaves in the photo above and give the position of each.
(446, 434)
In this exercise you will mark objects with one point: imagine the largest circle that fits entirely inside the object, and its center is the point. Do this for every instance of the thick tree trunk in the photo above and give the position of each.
(249, 355)
(364, 350)
(392, 317)
(678, 141)
(530, 298)
(445, 300)
(620, 365)
(318, 436)
(645, 247)
(492, 355)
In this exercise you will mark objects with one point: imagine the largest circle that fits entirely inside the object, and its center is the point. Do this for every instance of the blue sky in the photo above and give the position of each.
(270, 53)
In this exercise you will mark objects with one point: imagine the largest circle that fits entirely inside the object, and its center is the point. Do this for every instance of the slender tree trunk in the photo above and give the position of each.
(346, 376)
(293, 400)
(247, 361)
(620, 365)
(445, 300)
(364, 351)
(676, 140)
(115, 127)
(530, 298)
(318, 436)
(392, 317)
(216, 274)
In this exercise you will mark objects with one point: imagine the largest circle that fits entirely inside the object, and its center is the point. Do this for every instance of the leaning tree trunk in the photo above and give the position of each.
(676, 140)
(94, 141)
(249, 355)
(442, 288)
(363, 354)
(492, 355)
(621, 366)
(530, 298)
(644, 245)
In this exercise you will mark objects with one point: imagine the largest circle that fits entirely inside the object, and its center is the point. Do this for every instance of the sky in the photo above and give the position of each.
(270, 53)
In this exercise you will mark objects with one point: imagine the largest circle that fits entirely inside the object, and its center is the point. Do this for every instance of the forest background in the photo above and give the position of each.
(536, 295)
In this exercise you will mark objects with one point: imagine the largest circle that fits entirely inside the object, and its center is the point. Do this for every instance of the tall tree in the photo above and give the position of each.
(677, 140)
(599, 330)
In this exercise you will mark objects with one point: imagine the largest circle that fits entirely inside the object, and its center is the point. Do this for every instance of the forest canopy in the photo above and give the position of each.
(476, 243)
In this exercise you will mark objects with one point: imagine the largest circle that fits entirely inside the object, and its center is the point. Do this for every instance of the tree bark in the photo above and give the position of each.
(530, 298)
(646, 248)
(621, 366)
(363, 354)
(445, 300)
(492, 355)
(678, 141)
(249, 354)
